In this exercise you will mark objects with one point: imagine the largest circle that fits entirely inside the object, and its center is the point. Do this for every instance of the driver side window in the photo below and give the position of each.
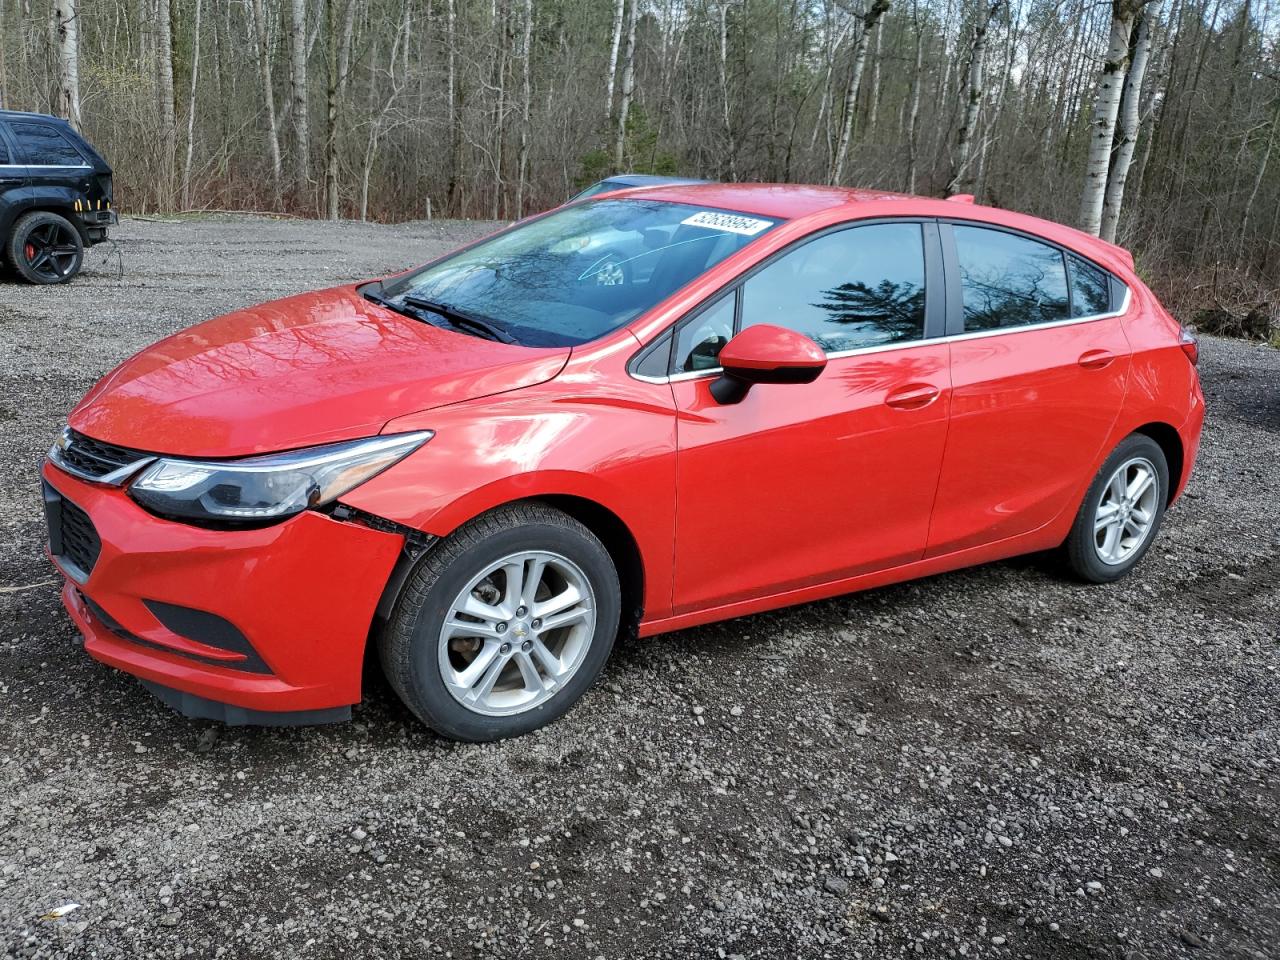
(699, 340)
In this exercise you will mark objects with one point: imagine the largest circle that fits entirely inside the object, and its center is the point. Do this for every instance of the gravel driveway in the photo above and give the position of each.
(990, 763)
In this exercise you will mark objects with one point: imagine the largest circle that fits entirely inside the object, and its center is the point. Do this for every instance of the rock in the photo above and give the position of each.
(1192, 940)
(735, 711)
(837, 885)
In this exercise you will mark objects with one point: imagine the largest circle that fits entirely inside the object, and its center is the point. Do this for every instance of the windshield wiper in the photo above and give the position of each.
(459, 318)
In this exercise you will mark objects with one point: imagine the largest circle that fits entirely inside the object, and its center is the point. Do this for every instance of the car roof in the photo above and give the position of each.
(23, 115)
(789, 200)
(795, 201)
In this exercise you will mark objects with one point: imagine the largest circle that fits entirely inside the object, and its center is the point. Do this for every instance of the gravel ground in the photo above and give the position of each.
(990, 763)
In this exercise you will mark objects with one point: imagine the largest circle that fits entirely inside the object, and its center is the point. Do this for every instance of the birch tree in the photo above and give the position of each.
(628, 87)
(1106, 107)
(66, 29)
(164, 83)
(1128, 123)
(869, 20)
(268, 96)
(298, 88)
(960, 170)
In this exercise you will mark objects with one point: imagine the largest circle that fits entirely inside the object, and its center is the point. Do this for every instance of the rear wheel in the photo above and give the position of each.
(504, 625)
(1121, 513)
(45, 248)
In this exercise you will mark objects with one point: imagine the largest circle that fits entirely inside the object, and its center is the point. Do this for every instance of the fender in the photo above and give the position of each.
(611, 444)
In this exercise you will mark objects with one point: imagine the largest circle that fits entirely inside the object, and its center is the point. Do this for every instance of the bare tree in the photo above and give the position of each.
(67, 30)
(618, 8)
(628, 87)
(191, 109)
(1129, 121)
(164, 83)
(298, 84)
(526, 105)
(1106, 107)
(268, 96)
(960, 170)
(333, 81)
(869, 20)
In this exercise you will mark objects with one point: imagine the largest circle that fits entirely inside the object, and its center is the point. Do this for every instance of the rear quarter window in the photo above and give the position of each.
(41, 144)
(4, 150)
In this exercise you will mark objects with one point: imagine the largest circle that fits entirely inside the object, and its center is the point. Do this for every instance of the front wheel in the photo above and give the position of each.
(1121, 513)
(504, 625)
(45, 248)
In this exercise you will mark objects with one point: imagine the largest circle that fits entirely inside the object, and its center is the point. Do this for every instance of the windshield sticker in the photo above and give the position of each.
(728, 222)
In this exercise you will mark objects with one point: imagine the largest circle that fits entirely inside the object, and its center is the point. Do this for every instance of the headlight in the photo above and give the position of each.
(266, 488)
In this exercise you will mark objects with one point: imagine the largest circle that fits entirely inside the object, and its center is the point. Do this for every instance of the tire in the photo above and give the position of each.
(426, 668)
(1102, 552)
(45, 248)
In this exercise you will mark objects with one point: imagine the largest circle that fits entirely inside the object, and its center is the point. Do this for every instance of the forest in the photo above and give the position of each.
(1155, 123)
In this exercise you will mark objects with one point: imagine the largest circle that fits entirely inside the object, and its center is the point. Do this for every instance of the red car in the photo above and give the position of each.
(492, 465)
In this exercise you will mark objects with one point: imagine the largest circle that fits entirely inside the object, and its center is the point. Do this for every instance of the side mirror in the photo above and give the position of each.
(766, 354)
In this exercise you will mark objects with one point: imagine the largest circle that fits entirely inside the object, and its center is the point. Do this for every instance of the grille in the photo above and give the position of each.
(80, 543)
(93, 458)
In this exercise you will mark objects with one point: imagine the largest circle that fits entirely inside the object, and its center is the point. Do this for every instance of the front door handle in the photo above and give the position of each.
(912, 397)
(1096, 359)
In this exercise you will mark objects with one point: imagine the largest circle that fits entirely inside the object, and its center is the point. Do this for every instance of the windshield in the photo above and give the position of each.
(578, 273)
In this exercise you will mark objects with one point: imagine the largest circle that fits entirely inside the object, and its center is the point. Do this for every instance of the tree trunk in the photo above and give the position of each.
(613, 56)
(1128, 123)
(913, 115)
(526, 107)
(191, 110)
(298, 88)
(878, 9)
(268, 97)
(455, 109)
(873, 97)
(168, 125)
(1102, 125)
(331, 110)
(67, 30)
(628, 89)
(723, 63)
(1258, 178)
(973, 105)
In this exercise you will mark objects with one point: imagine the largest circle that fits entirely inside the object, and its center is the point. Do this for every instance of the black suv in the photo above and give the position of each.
(55, 196)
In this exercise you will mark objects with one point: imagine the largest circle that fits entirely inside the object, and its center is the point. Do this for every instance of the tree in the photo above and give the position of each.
(67, 32)
(869, 20)
(298, 87)
(1106, 106)
(960, 171)
(1129, 121)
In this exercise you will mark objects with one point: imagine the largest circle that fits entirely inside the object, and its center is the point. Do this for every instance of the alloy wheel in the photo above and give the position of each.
(1126, 511)
(51, 251)
(517, 633)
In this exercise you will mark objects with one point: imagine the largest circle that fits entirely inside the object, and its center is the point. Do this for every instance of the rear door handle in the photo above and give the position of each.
(912, 397)
(1096, 359)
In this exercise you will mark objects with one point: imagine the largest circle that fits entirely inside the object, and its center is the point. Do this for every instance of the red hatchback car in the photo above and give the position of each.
(492, 465)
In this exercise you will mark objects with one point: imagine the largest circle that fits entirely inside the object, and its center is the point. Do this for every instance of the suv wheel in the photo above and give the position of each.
(45, 248)
(504, 625)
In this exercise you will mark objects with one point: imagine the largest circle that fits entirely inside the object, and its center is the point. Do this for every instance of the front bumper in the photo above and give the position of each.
(267, 620)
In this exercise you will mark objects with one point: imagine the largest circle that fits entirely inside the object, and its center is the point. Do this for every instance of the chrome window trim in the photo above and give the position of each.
(886, 347)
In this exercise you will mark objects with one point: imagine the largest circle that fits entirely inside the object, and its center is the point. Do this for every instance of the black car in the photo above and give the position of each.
(55, 196)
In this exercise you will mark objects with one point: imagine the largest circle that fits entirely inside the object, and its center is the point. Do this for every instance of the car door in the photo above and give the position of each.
(803, 484)
(55, 166)
(13, 180)
(1039, 364)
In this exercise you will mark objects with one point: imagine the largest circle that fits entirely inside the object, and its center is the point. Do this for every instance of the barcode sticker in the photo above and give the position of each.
(728, 222)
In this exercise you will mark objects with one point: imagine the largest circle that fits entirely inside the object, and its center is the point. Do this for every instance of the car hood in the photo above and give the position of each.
(315, 368)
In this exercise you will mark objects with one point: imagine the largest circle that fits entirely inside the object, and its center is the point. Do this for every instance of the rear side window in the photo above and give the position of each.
(4, 149)
(1009, 280)
(860, 287)
(1090, 288)
(43, 145)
